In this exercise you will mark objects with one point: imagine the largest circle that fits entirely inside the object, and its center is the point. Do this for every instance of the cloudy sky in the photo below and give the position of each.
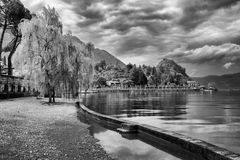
(201, 35)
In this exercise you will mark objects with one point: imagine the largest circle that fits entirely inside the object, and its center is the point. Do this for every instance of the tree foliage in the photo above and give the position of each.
(101, 81)
(100, 66)
(43, 41)
(137, 76)
(54, 60)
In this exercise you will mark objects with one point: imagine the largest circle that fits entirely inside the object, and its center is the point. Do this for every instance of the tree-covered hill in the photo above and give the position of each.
(170, 71)
(166, 72)
(170, 67)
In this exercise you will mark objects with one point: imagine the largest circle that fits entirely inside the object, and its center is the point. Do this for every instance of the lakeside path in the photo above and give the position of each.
(32, 129)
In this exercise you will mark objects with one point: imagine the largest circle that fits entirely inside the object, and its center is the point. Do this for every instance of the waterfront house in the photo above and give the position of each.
(127, 83)
(114, 83)
(202, 87)
(193, 84)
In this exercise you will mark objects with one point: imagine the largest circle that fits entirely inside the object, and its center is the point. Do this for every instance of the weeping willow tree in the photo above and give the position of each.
(54, 62)
(88, 68)
(81, 71)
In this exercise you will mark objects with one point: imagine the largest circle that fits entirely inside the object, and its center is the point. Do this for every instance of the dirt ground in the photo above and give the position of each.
(33, 129)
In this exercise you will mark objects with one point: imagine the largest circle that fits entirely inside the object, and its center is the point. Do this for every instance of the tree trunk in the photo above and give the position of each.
(65, 89)
(10, 70)
(1, 41)
(69, 91)
(15, 45)
(53, 94)
(49, 95)
(2, 35)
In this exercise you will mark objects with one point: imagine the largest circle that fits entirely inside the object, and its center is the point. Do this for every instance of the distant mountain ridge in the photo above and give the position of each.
(99, 55)
(227, 81)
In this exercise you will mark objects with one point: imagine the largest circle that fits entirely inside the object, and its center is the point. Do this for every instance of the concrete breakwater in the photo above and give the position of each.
(197, 147)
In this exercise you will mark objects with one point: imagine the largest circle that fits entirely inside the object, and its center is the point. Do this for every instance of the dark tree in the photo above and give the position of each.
(129, 67)
(12, 13)
(90, 48)
(142, 78)
(137, 76)
(101, 81)
(101, 65)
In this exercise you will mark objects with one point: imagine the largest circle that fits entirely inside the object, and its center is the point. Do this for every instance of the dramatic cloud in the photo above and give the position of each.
(207, 54)
(193, 32)
(196, 12)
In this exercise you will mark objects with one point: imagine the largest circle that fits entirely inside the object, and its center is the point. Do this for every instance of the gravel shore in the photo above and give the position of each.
(33, 129)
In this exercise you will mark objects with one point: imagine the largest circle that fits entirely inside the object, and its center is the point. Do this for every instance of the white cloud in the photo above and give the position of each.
(228, 65)
(214, 53)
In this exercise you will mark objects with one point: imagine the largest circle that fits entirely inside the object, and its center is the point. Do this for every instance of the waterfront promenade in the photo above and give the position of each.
(33, 129)
(123, 89)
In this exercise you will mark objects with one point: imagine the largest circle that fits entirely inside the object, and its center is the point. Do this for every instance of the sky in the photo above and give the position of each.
(201, 35)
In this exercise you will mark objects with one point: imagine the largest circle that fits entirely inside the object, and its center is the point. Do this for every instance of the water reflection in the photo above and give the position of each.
(214, 118)
(121, 148)
(134, 147)
(132, 104)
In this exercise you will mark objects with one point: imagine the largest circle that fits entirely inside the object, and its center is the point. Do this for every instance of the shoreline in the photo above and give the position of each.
(102, 90)
(32, 129)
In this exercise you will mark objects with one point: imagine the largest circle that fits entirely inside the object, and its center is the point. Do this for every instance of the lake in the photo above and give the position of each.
(214, 118)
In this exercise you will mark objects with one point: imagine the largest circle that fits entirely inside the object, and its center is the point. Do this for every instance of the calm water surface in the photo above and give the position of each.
(214, 118)
(134, 149)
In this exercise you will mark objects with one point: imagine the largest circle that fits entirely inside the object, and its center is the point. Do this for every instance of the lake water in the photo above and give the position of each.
(214, 118)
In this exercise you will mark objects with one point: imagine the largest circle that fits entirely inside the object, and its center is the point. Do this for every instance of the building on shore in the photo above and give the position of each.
(12, 86)
(193, 84)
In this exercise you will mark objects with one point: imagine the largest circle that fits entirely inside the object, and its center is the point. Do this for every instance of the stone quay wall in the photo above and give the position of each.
(197, 147)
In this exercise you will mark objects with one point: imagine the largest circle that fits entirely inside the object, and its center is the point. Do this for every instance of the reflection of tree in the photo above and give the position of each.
(137, 103)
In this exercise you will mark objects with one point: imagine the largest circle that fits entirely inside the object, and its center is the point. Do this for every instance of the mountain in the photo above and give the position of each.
(228, 81)
(99, 55)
